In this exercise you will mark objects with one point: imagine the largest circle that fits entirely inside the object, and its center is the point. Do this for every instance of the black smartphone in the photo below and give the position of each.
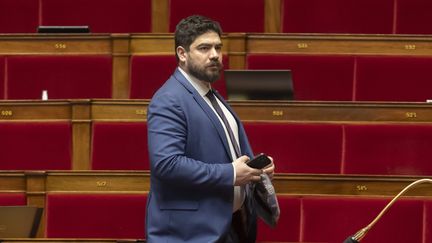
(260, 161)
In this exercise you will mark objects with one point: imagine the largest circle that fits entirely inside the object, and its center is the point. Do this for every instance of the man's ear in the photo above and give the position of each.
(181, 53)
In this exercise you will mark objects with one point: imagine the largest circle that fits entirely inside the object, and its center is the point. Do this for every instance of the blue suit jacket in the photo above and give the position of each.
(191, 195)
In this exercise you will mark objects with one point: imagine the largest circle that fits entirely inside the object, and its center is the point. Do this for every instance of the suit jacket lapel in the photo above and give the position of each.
(204, 106)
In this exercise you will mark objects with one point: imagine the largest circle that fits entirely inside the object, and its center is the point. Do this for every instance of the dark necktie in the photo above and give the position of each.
(219, 111)
(239, 219)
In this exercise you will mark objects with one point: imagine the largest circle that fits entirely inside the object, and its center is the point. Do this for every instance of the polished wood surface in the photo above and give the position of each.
(236, 47)
(81, 114)
(42, 182)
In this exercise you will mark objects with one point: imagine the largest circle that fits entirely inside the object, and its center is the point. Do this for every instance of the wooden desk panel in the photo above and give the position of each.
(98, 182)
(345, 44)
(53, 44)
(347, 185)
(139, 182)
(119, 110)
(34, 110)
(332, 111)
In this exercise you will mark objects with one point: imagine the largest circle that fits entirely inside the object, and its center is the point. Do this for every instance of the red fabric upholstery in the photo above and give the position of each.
(388, 149)
(288, 228)
(103, 16)
(116, 216)
(393, 78)
(63, 77)
(11, 199)
(35, 146)
(298, 148)
(337, 16)
(315, 77)
(334, 219)
(149, 73)
(413, 17)
(19, 16)
(428, 222)
(119, 146)
(226, 12)
(2, 77)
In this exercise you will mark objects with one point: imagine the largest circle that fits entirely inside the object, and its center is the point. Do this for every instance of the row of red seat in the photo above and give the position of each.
(316, 77)
(303, 219)
(84, 76)
(320, 148)
(353, 78)
(297, 16)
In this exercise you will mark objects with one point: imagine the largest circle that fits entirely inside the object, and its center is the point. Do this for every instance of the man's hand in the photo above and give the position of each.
(246, 174)
(269, 169)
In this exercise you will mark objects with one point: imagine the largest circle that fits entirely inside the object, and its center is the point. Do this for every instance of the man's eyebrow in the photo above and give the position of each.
(210, 44)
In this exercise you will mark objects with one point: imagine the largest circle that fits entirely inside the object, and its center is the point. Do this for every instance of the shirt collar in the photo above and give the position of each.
(201, 86)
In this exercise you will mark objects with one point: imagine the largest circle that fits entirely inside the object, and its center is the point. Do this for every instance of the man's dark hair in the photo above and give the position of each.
(188, 29)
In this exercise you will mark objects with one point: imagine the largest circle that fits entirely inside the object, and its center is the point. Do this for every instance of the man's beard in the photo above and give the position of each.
(205, 74)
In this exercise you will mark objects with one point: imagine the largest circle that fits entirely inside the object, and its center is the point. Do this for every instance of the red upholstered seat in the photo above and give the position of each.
(103, 16)
(11, 199)
(393, 78)
(2, 77)
(63, 77)
(119, 146)
(226, 12)
(19, 16)
(388, 149)
(288, 228)
(334, 219)
(298, 148)
(315, 77)
(337, 16)
(149, 73)
(413, 17)
(116, 216)
(35, 146)
(428, 221)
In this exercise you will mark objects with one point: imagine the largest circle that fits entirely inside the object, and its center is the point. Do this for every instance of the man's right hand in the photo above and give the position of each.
(244, 173)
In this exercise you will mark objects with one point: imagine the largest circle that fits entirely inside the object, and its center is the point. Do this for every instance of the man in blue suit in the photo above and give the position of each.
(201, 188)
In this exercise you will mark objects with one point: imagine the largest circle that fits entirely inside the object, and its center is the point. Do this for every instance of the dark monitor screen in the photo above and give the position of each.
(259, 84)
(19, 221)
(63, 29)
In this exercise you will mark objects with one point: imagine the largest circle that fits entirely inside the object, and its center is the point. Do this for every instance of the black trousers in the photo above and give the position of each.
(237, 233)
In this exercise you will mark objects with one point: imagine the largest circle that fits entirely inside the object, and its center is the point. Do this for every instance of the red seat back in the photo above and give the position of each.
(226, 12)
(393, 78)
(102, 16)
(149, 73)
(315, 77)
(64, 77)
(298, 148)
(12, 199)
(428, 222)
(119, 146)
(337, 16)
(117, 216)
(334, 219)
(2, 77)
(19, 16)
(35, 146)
(388, 149)
(288, 227)
(413, 17)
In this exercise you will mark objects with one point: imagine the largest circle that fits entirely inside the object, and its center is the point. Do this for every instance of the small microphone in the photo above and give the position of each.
(357, 237)
(350, 240)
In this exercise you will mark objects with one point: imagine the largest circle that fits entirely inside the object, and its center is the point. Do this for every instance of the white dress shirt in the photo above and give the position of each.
(203, 88)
